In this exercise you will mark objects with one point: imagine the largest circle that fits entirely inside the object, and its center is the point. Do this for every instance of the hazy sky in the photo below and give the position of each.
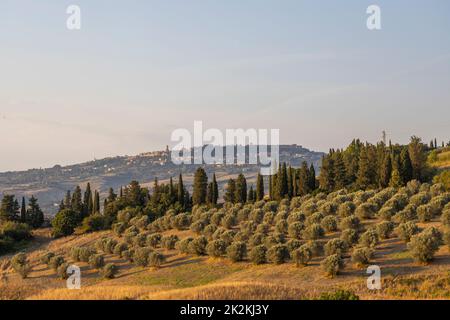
(137, 70)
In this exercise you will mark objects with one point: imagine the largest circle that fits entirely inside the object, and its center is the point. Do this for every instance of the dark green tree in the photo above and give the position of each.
(259, 187)
(230, 191)
(34, 215)
(304, 180)
(200, 186)
(23, 211)
(9, 209)
(241, 189)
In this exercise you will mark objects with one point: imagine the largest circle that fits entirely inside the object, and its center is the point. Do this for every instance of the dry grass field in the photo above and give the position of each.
(192, 277)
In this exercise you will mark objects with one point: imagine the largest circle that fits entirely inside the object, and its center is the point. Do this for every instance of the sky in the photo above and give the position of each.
(137, 70)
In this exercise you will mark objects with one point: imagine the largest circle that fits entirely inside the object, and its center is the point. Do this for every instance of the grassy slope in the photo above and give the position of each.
(188, 277)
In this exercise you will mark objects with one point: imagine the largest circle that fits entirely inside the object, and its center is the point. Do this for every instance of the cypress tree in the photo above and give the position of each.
(270, 187)
(88, 202)
(200, 186)
(250, 197)
(312, 178)
(171, 190)
(34, 214)
(215, 189)
(405, 167)
(281, 190)
(77, 201)
(23, 211)
(396, 176)
(417, 156)
(290, 184)
(326, 178)
(96, 204)
(241, 189)
(339, 171)
(230, 191)
(303, 181)
(294, 183)
(386, 171)
(365, 174)
(209, 193)
(180, 191)
(68, 200)
(259, 187)
(111, 196)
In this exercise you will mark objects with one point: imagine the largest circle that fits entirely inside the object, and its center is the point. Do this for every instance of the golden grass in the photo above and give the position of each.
(95, 293)
(234, 291)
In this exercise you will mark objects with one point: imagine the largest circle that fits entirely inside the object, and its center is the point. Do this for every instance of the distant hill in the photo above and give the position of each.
(49, 185)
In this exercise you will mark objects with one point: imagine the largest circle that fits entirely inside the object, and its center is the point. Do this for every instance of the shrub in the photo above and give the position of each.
(183, 245)
(329, 223)
(228, 221)
(256, 240)
(361, 256)
(274, 239)
(295, 230)
(141, 256)
(95, 222)
(313, 232)
(351, 236)
(351, 222)
(384, 229)
(45, 258)
(316, 248)
(335, 246)
(386, 213)
(85, 253)
(216, 248)
(346, 209)
(425, 213)
(64, 223)
(128, 255)
(75, 254)
(156, 259)
(407, 214)
(153, 240)
(365, 211)
(406, 230)
(315, 218)
(263, 228)
(61, 271)
(332, 264)
(20, 265)
(447, 238)
(55, 262)
(237, 251)
(278, 254)
(169, 242)
(198, 246)
(339, 295)
(369, 238)
(119, 228)
(16, 231)
(424, 245)
(109, 271)
(258, 254)
(293, 244)
(120, 248)
(445, 217)
(282, 226)
(302, 255)
(139, 240)
(197, 226)
(97, 261)
(110, 245)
